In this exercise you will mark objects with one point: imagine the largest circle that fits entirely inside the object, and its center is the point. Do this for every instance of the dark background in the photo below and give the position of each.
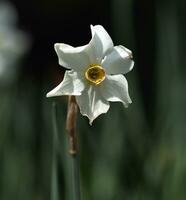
(136, 153)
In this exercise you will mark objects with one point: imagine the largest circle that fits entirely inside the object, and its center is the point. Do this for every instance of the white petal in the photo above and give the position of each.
(71, 85)
(100, 44)
(91, 103)
(75, 58)
(119, 61)
(115, 88)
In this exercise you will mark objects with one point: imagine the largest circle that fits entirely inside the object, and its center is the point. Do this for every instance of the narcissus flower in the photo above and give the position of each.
(95, 73)
(13, 43)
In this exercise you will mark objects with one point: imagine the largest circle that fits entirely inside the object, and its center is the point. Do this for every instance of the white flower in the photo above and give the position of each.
(95, 73)
(13, 43)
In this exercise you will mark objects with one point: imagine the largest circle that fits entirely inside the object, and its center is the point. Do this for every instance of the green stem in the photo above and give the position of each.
(73, 150)
(75, 177)
(54, 180)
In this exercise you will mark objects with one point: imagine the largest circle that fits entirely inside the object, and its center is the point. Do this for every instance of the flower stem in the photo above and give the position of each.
(71, 129)
(75, 178)
(54, 181)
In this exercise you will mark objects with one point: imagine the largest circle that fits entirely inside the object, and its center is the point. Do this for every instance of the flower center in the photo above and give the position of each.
(95, 74)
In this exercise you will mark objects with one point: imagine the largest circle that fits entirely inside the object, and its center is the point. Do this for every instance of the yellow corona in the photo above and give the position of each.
(95, 74)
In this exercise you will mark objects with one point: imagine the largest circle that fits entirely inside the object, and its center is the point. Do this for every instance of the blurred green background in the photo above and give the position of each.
(137, 153)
